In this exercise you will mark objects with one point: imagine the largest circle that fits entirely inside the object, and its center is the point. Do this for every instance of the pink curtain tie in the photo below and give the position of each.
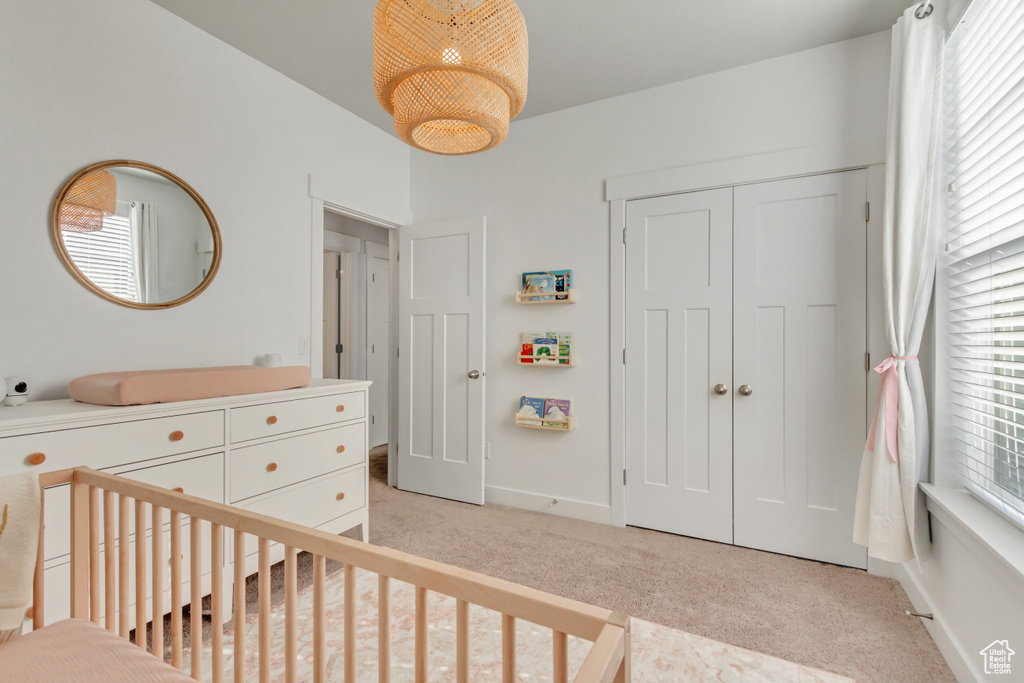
(891, 385)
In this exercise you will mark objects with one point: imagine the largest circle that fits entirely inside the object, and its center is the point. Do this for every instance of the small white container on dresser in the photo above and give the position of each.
(298, 455)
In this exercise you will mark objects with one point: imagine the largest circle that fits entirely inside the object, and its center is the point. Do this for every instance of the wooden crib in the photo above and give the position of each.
(104, 585)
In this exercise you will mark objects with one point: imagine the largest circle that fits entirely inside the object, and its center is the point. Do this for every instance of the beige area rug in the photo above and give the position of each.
(822, 616)
(660, 654)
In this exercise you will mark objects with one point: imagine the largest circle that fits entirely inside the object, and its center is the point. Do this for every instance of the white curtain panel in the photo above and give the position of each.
(145, 251)
(890, 516)
(135, 223)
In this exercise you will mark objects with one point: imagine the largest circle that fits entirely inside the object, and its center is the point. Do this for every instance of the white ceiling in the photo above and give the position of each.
(580, 50)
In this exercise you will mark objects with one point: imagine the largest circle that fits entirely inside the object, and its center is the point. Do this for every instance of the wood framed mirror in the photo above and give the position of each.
(136, 234)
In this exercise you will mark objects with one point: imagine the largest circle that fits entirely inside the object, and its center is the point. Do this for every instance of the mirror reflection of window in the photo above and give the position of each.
(106, 256)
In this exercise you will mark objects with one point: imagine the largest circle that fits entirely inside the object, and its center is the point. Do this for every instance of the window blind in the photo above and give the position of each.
(984, 155)
(105, 256)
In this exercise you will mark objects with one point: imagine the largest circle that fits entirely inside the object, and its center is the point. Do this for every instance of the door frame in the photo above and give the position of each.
(731, 173)
(392, 216)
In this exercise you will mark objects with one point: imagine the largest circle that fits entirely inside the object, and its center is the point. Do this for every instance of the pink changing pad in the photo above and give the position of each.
(141, 387)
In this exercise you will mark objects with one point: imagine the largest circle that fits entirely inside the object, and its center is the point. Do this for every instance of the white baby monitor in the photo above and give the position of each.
(17, 391)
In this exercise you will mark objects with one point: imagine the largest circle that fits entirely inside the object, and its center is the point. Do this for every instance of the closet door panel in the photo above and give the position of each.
(800, 336)
(678, 333)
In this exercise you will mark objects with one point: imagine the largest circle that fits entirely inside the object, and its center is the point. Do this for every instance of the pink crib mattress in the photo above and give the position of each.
(141, 387)
(81, 651)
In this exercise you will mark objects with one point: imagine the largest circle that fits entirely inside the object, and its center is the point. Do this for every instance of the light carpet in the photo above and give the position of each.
(823, 616)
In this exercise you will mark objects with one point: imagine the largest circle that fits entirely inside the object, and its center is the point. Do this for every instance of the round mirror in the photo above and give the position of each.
(136, 234)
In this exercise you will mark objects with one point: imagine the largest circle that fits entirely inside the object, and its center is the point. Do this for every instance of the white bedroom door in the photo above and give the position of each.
(377, 337)
(799, 340)
(679, 349)
(441, 359)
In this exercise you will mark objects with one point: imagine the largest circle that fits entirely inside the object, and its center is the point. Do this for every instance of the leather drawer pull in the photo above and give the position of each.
(177, 436)
(37, 459)
(272, 420)
(341, 449)
(341, 409)
(341, 496)
(272, 467)
(178, 489)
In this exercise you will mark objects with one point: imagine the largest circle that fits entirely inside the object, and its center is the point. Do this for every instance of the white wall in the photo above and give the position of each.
(973, 594)
(542, 191)
(344, 225)
(105, 79)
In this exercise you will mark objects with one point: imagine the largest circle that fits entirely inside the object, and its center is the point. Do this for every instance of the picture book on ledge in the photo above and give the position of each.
(552, 413)
(547, 348)
(552, 281)
(531, 408)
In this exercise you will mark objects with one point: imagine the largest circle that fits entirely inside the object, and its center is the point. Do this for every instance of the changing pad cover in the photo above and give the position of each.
(141, 387)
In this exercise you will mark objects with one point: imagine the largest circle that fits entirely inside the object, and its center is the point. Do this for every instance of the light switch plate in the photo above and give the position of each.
(303, 344)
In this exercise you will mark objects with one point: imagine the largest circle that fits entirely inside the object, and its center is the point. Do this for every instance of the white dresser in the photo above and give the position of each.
(298, 455)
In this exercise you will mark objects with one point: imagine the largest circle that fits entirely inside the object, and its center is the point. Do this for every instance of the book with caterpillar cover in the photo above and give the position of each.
(529, 339)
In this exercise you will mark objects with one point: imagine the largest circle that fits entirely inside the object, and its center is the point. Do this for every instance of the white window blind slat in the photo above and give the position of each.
(984, 269)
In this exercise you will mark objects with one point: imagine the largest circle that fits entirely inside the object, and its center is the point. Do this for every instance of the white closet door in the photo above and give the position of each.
(441, 359)
(800, 338)
(678, 348)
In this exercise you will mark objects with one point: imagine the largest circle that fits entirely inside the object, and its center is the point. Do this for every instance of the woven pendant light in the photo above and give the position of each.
(451, 72)
(92, 197)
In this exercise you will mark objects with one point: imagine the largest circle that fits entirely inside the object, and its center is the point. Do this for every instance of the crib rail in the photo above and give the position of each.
(92, 491)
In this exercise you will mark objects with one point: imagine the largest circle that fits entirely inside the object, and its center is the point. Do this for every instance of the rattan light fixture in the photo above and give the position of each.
(451, 72)
(91, 198)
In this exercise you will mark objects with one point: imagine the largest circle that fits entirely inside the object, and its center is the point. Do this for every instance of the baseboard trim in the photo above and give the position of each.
(952, 650)
(574, 509)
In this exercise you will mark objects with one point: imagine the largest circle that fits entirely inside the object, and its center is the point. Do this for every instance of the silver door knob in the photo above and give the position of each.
(474, 374)
(745, 390)
(721, 389)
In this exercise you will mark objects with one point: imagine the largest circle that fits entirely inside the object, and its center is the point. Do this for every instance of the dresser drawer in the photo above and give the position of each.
(315, 503)
(202, 477)
(268, 466)
(270, 419)
(106, 446)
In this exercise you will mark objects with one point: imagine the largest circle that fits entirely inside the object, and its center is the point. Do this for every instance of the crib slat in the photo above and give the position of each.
(176, 635)
(383, 629)
(561, 657)
(421, 635)
(158, 577)
(79, 550)
(350, 623)
(508, 648)
(217, 601)
(319, 619)
(38, 583)
(290, 614)
(264, 616)
(140, 576)
(462, 641)
(123, 583)
(109, 565)
(238, 608)
(195, 611)
(94, 555)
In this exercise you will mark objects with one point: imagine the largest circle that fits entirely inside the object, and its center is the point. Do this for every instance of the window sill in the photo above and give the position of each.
(978, 525)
